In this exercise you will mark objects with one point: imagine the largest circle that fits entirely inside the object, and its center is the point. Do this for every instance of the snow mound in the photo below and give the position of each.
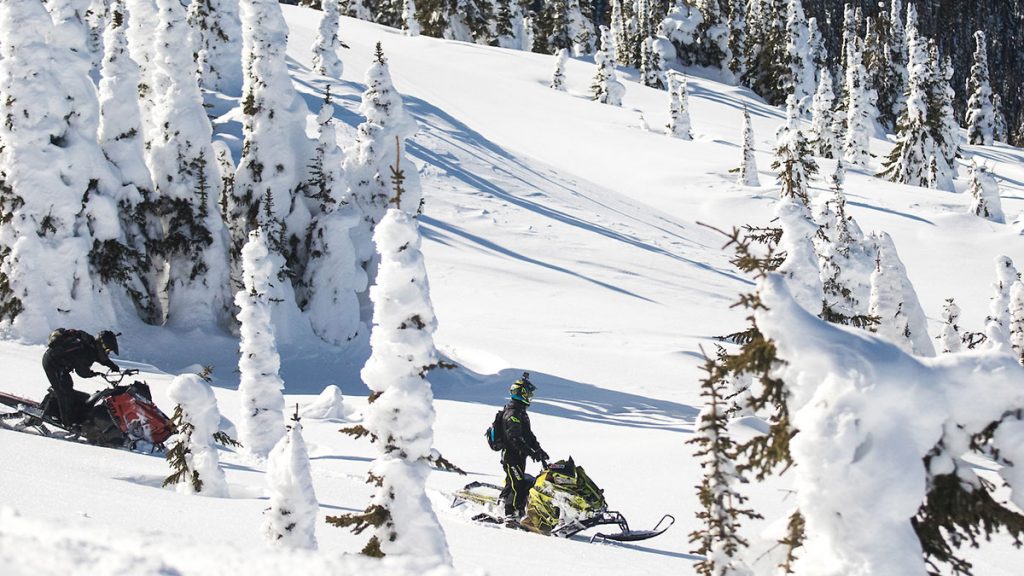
(329, 405)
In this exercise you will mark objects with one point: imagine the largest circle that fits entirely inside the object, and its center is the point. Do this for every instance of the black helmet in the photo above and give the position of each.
(107, 341)
(522, 389)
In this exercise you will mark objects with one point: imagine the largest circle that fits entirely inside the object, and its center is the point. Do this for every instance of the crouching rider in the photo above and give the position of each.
(70, 349)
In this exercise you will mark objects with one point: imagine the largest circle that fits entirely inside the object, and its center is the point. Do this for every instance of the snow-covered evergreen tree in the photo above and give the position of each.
(875, 57)
(184, 170)
(980, 118)
(558, 76)
(511, 29)
(142, 21)
(898, 54)
(683, 26)
(767, 61)
(59, 192)
(226, 165)
(950, 338)
(619, 27)
(793, 163)
(261, 422)
(326, 44)
(551, 27)
(377, 148)
(272, 169)
(818, 52)
(861, 113)
(719, 540)
(800, 266)
(217, 40)
(97, 19)
(844, 259)
(333, 275)
(848, 392)
(580, 29)
(748, 166)
(71, 31)
(801, 80)
(945, 131)
(389, 13)
(358, 9)
(737, 43)
(193, 455)
(908, 161)
(120, 137)
(652, 68)
(120, 127)
(471, 21)
(997, 323)
(401, 415)
(1017, 320)
(1001, 130)
(850, 34)
(606, 87)
(894, 301)
(410, 25)
(984, 194)
(886, 302)
(290, 521)
(823, 140)
(679, 108)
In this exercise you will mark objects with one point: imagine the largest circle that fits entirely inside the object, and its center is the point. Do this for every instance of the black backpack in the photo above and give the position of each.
(496, 433)
(66, 340)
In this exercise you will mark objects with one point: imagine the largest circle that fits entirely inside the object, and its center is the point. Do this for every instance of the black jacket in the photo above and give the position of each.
(518, 436)
(80, 354)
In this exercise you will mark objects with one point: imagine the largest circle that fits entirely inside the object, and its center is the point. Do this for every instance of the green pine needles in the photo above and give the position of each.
(178, 455)
(722, 506)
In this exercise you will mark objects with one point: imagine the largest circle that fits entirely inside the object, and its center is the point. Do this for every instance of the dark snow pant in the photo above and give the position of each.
(62, 390)
(517, 485)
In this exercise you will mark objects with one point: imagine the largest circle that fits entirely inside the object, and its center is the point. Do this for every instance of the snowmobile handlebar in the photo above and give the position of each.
(115, 378)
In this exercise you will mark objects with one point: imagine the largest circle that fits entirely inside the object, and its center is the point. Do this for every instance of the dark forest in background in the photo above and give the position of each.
(952, 24)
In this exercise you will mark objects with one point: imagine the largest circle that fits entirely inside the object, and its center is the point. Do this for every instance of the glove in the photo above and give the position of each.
(539, 455)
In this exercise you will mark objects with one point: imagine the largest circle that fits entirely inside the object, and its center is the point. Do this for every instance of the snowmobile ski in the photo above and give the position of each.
(627, 535)
(29, 415)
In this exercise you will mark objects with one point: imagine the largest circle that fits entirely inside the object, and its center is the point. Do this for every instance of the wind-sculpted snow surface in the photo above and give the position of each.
(33, 547)
(868, 414)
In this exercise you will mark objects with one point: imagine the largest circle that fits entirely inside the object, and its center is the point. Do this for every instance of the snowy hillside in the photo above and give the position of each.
(562, 237)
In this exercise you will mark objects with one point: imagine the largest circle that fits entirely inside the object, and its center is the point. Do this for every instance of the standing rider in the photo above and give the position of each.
(519, 443)
(70, 349)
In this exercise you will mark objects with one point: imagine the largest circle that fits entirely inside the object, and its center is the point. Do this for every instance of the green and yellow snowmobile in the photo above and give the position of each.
(563, 501)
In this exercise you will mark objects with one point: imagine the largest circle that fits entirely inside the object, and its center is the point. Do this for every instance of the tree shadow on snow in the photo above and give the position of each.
(437, 124)
(893, 212)
(440, 125)
(566, 399)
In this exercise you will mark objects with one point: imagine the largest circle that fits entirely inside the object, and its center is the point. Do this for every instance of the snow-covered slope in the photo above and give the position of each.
(562, 237)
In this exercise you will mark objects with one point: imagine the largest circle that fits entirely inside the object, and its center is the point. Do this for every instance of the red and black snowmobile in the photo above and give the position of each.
(118, 416)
